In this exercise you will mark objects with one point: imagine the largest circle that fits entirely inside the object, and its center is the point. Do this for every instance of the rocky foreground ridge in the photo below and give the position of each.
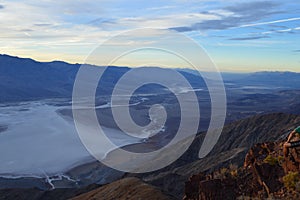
(266, 174)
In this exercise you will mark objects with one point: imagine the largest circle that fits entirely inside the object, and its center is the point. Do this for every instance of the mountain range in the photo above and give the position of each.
(262, 107)
(26, 79)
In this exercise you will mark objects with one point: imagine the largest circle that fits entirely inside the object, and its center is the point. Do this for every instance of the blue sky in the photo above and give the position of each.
(238, 35)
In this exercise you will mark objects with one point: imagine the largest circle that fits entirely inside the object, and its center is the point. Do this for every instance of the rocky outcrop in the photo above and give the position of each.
(200, 187)
(266, 174)
(266, 164)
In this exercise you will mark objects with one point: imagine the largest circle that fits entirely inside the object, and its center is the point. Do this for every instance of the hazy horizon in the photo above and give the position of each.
(183, 68)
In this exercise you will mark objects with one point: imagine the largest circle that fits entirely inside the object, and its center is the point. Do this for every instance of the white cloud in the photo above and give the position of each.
(166, 21)
(162, 7)
(271, 22)
(281, 31)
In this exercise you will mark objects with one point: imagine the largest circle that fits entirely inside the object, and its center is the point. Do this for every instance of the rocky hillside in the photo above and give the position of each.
(127, 188)
(236, 140)
(266, 174)
(227, 160)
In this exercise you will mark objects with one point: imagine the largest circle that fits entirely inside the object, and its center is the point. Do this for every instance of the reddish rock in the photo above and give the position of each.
(199, 189)
(261, 176)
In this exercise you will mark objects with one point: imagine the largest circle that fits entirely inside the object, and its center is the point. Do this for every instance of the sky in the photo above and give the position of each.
(238, 35)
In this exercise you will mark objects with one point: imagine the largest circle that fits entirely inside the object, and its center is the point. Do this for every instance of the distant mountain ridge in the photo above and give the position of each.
(273, 78)
(26, 79)
(260, 78)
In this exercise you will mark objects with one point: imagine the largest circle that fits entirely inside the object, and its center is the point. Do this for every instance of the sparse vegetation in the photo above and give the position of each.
(291, 180)
(233, 170)
(225, 172)
(271, 160)
(280, 160)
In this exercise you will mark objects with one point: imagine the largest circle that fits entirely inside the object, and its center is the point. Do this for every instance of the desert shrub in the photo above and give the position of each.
(271, 160)
(234, 173)
(233, 170)
(280, 159)
(290, 180)
(224, 172)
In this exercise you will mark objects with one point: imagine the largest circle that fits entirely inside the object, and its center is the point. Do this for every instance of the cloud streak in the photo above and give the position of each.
(164, 21)
(249, 38)
(286, 30)
(270, 22)
(243, 13)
